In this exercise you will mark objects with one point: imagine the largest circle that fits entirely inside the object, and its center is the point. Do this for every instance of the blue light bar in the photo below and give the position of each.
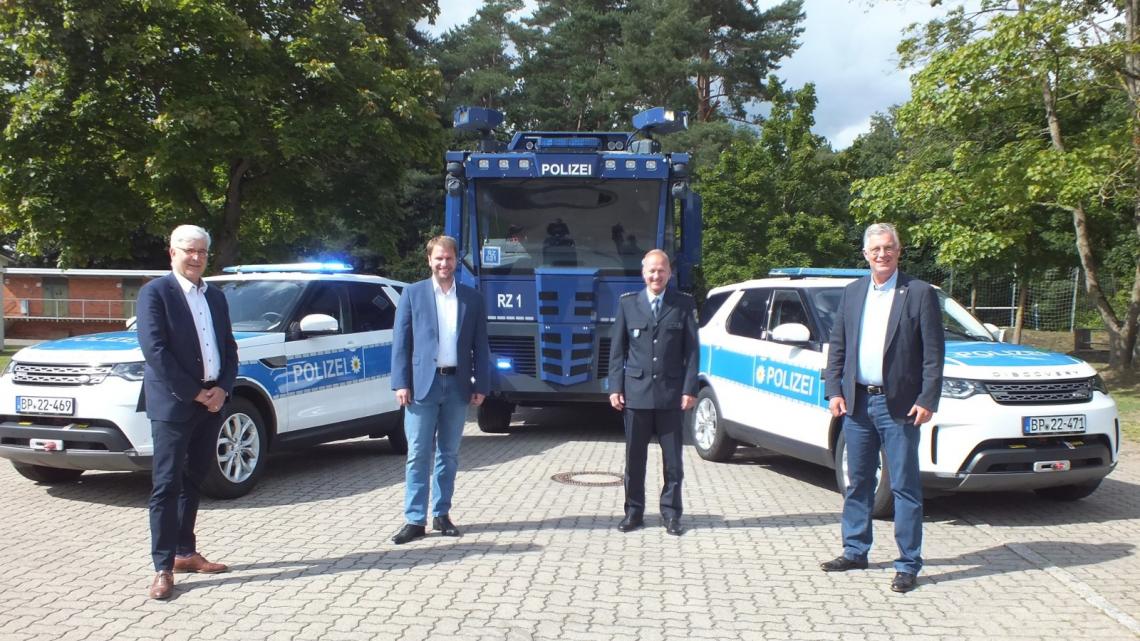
(309, 268)
(823, 272)
(503, 363)
(569, 143)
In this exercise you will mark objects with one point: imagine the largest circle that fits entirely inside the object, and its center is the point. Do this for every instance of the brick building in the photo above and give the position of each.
(56, 303)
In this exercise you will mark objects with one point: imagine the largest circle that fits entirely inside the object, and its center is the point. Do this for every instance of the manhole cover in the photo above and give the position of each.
(594, 479)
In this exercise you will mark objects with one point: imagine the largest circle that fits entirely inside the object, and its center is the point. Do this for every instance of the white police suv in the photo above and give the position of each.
(314, 351)
(1011, 417)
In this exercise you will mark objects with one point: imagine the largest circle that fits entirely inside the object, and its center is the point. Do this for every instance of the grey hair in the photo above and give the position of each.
(657, 252)
(878, 229)
(188, 233)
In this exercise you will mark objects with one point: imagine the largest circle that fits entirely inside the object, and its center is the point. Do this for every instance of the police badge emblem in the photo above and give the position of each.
(636, 333)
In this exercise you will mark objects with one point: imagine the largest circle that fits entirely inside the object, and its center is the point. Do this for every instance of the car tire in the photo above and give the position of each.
(1074, 492)
(707, 430)
(883, 504)
(494, 416)
(241, 452)
(47, 475)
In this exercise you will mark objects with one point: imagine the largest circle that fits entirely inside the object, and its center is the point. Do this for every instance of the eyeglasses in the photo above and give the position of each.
(886, 250)
(194, 252)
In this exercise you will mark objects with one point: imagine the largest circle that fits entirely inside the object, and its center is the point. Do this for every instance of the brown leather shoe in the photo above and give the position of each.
(197, 563)
(163, 586)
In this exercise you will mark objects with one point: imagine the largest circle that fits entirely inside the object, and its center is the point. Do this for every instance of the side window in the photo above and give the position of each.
(712, 304)
(747, 318)
(327, 298)
(371, 308)
(788, 308)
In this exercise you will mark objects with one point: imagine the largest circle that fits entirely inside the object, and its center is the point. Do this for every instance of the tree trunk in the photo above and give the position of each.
(226, 238)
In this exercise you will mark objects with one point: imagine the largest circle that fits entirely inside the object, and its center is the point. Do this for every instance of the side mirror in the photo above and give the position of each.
(319, 324)
(791, 334)
(997, 332)
(131, 322)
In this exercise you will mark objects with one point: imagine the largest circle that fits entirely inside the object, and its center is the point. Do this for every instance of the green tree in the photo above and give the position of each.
(269, 122)
(778, 200)
(1023, 115)
(475, 59)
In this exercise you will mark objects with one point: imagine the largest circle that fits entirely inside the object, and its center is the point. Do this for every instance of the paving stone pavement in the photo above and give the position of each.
(311, 556)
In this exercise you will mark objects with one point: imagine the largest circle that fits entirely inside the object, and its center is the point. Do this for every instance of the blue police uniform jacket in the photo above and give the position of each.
(653, 362)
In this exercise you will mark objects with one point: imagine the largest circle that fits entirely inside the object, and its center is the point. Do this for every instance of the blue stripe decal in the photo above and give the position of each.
(765, 374)
(317, 371)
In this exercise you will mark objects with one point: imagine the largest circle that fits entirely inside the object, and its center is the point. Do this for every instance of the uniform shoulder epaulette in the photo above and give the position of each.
(628, 294)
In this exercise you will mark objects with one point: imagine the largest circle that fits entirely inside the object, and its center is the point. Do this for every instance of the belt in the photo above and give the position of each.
(445, 371)
(873, 390)
(209, 384)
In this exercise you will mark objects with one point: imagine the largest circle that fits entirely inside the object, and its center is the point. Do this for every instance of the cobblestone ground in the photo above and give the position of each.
(311, 556)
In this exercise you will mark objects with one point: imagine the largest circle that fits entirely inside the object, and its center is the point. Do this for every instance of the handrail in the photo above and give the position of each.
(62, 309)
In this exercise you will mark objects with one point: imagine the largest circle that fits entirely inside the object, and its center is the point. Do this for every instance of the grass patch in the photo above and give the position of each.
(1124, 386)
(6, 355)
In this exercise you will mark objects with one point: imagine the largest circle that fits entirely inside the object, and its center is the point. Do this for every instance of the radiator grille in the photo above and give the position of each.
(520, 349)
(32, 374)
(1041, 392)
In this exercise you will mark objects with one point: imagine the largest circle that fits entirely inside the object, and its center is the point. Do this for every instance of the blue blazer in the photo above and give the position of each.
(914, 352)
(169, 342)
(415, 341)
(654, 362)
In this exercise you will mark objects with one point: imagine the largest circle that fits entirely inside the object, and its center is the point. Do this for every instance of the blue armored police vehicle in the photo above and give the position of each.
(552, 227)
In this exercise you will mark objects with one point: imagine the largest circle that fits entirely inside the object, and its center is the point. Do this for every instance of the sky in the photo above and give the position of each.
(847, 49)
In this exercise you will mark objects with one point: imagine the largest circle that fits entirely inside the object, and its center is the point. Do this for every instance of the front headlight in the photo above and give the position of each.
(1098, 385)
(961, 388)
(129, 371)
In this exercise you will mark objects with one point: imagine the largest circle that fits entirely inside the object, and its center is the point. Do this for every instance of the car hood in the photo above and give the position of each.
(113, 347)
(1002, 361)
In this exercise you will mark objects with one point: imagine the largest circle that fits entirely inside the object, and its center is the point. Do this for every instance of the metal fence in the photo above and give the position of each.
(80, 309)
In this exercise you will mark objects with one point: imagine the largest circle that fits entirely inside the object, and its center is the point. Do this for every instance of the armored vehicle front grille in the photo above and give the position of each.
(520, 349)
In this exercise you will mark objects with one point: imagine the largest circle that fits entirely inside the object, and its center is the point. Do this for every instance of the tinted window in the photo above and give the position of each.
(749, 316)
(326, 298)
(788, 308)
(712, 304)
(825, 304)
(371, 309)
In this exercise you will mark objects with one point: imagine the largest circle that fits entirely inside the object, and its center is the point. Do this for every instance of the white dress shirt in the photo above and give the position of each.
(447, 322)
(873, 335)
(204, 323)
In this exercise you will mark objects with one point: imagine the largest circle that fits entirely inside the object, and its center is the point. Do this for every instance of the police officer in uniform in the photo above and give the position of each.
(653, 380)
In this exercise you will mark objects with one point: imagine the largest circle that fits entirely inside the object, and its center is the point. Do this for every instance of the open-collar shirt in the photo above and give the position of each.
(204, 324)
(447, 322)
(873, 335)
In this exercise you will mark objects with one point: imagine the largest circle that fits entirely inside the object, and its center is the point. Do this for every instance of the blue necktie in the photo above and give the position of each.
(656, 308)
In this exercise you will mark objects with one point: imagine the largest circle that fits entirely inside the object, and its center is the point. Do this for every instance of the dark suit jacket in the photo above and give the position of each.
(914, 350)
(170, 346)
(654, 362)
(415, 341)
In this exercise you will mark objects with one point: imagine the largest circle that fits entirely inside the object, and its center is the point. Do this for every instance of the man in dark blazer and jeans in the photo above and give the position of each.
(191, 363)
(884, 376)
(654, 355)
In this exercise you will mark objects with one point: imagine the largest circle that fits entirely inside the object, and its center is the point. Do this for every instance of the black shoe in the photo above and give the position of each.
(409, 533)
(630, 523)
(673, 526)
(842, 564)
(444, 526)
(904, 582)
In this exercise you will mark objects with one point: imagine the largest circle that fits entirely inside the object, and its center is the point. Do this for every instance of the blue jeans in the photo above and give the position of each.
(868, 427)
(433, 426)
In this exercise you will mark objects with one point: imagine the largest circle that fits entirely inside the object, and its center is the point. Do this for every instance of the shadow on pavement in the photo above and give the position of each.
(404, 557)
(1001, 559)
(1113, 501)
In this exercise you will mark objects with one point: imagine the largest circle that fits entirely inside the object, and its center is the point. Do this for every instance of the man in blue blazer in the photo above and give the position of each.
(654, 354)
(441, 363)
(191, 363)
(884, 376)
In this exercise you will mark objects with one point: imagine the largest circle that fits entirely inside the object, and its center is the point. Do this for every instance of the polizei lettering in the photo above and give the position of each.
(567, 169)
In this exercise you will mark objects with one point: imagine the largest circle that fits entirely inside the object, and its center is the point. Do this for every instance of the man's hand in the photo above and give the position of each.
(837, 405)
(477, 398)
(212, 398)
(404, 397)
(688, 402)
(617, 401)
(920, 414)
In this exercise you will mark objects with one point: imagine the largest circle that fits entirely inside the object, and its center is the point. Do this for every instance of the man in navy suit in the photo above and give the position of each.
(441, 363)
(191, 363)
(654, 355)
(884, 376)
